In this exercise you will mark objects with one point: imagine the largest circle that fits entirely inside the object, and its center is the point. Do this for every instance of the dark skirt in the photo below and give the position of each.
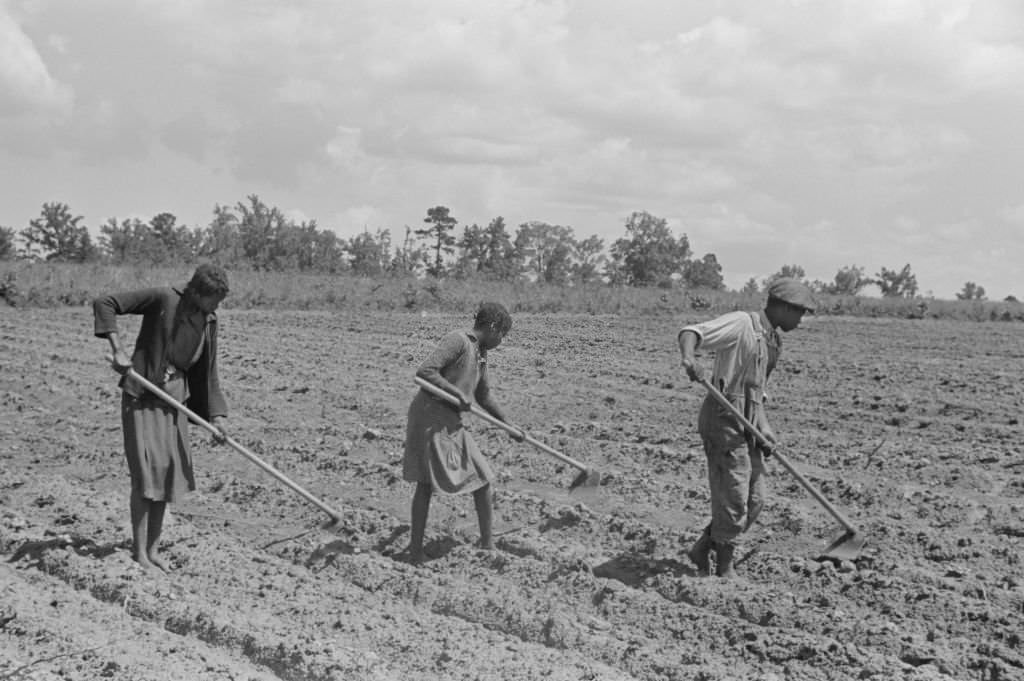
(156, 444)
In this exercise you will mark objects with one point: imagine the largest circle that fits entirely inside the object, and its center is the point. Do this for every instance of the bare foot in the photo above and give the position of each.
(143, 561)
(159, 562)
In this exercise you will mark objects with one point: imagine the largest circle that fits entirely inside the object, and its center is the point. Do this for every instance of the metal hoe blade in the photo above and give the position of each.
(586, 481)
(846, 546)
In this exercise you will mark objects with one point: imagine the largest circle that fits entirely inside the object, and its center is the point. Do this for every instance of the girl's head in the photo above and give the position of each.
(491, 324)
(208, 287)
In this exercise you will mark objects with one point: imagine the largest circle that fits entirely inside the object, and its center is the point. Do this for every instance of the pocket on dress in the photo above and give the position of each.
(452, 464)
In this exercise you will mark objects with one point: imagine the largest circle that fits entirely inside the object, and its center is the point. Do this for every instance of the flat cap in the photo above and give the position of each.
(791, 291)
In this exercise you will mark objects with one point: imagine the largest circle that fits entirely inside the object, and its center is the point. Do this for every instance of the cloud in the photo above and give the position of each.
(279, 143)
(192, 134)
(1014, 214)
(363, 217)
(27, 88)
(108, 132)
(447, 146)
(302, 91)
(857, 126)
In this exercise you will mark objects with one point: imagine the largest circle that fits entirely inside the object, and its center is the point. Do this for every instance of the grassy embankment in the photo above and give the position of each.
(26, 284)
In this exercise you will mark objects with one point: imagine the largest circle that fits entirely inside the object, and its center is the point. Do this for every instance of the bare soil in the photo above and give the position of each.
(912, 427)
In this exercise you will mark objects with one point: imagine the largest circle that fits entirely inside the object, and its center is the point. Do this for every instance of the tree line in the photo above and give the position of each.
(852, 280)
(253, 235)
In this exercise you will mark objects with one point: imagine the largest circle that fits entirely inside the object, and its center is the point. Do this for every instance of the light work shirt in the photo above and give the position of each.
(741, 353)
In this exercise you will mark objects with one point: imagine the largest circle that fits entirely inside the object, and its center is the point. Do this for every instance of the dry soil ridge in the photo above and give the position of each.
(920, 444)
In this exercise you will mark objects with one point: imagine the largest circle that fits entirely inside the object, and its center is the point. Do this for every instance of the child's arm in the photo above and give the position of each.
(119, 360)
(688, 341)
(105, 310)
(484, 399)
(445, 354)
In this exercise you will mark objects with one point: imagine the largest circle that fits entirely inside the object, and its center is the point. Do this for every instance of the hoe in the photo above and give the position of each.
(588, 478)
(848, 544)
(335, 516)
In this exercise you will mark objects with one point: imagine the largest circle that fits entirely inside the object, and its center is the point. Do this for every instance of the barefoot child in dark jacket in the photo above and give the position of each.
(177, 350)
(439, 452)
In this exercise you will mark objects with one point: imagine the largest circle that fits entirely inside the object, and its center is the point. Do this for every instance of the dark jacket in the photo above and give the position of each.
(157, 307)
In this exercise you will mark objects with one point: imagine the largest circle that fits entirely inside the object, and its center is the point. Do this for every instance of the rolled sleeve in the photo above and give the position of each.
(104, 315)
(720, 332)
(105, 309)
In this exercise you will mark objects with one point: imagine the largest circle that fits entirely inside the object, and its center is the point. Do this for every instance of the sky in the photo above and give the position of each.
(831, 133)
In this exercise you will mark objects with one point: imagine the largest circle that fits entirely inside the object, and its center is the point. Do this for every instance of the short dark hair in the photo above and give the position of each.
(208, 280)
(493, 314)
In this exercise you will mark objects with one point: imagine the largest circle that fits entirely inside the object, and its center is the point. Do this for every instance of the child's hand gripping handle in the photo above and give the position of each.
(513, 430)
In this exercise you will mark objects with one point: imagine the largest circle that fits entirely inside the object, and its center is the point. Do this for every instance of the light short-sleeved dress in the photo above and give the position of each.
(438, 448)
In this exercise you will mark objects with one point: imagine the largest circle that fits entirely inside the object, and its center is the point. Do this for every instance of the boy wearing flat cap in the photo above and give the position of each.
(746, 347)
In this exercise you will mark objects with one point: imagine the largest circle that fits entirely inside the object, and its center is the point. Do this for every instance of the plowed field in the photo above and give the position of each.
(912, 427)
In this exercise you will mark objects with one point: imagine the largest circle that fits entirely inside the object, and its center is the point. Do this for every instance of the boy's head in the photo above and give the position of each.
(788, 301)
(492, 323)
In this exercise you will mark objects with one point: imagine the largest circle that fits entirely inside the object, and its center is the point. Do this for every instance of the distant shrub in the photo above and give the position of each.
(37, 284)
(9, 291)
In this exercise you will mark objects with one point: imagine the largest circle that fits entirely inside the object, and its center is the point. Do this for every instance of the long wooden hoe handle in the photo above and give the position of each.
(731, 408)
(447, 396)
(237, 446)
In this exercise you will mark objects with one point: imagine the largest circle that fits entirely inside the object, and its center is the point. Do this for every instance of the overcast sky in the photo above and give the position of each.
(819, 133)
